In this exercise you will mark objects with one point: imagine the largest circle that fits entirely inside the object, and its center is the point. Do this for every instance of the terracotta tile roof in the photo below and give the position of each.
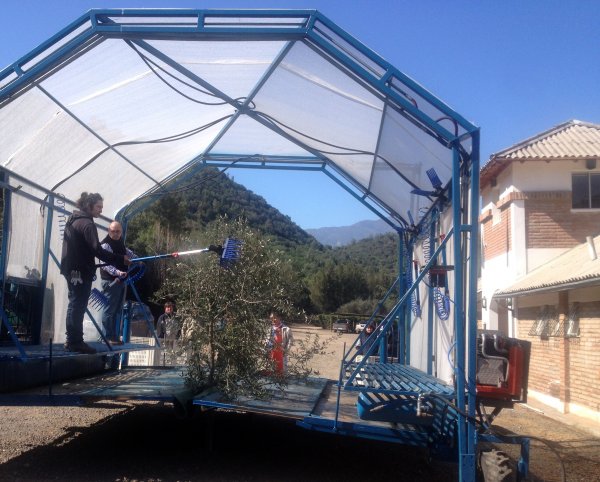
(571, 140)
(574, 268)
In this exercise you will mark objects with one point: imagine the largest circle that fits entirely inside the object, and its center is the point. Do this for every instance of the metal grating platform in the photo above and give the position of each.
(393, 378)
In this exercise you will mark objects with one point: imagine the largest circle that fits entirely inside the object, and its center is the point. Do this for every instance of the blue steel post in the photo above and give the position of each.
(523, 464)
(45, 260)
(402, 314)
(126, 322)
(408, 313)
(466, 467)
(430, 309)
(472, 297)
(5, 231)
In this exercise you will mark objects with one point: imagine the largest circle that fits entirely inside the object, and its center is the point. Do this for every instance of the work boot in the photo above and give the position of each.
(80, 347)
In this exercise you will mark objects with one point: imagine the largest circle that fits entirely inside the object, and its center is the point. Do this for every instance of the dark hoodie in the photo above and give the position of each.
(81, 246)
(118, 247)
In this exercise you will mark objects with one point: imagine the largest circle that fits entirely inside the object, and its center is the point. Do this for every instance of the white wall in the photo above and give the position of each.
(503, 270)
(497, 273)
(534, 176)
(443, 330)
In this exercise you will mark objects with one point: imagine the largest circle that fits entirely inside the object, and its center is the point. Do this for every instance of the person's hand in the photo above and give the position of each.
(126, 261)
(121, 274)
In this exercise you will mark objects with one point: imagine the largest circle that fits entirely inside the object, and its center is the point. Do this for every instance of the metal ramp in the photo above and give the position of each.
(315, 404)
(297, 400)
(386, 407)
(411, 406)
(164, 384)
(390, 391)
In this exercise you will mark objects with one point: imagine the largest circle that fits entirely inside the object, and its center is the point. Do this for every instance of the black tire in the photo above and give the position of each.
(495, 466)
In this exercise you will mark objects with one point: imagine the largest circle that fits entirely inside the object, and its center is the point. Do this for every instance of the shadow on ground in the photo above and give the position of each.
(149, 443)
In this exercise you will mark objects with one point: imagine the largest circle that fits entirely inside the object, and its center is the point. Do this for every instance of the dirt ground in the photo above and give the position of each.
(135, 441)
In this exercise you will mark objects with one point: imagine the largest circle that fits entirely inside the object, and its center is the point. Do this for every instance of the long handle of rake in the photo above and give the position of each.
(172, 255)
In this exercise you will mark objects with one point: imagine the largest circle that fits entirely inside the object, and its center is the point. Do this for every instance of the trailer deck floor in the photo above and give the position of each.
(312, 403)
(43, 352)
(131, 383)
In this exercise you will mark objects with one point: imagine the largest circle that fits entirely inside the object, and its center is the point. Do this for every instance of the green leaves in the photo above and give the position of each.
(225, 311)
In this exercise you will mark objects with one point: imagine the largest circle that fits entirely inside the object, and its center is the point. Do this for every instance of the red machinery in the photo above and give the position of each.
(502, 367)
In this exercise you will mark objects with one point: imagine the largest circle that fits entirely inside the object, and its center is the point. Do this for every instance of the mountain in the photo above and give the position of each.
(355, 274)
(344, 235)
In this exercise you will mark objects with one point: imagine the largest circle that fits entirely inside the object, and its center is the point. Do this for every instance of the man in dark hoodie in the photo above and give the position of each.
(113, 285)
(78, 265)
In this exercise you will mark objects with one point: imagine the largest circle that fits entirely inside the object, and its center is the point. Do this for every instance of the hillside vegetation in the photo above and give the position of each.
(348, 279)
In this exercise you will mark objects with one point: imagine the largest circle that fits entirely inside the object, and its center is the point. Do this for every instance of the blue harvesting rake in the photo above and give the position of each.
(436, 183)
(229, 253)
(98, 299)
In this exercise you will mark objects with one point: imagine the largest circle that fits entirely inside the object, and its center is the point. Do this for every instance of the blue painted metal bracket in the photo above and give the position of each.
(315, 165)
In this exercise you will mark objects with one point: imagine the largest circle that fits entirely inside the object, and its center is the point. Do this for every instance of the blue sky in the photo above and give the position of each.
(514, 68)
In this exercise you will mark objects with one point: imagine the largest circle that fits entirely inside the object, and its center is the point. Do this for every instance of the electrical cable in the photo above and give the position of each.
(171, 138)
(442, 304)
(150, 63)
(448, 356)
(153, 66)
(347, 151)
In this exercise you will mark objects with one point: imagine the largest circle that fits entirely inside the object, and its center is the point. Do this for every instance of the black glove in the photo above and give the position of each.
(216, 249)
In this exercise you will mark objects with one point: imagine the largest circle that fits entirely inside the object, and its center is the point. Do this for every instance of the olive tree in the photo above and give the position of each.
(224, 314)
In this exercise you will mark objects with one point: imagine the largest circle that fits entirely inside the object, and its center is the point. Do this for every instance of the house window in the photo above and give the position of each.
(547, 323)
(572, 321)
(586, 190)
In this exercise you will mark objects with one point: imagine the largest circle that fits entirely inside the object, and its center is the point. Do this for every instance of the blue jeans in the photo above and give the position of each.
(79, 295)
(110, 315)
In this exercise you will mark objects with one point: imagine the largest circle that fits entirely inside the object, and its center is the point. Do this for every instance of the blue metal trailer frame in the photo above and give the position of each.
(387, 83)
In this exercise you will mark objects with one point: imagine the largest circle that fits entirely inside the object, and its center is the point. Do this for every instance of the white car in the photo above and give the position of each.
(360, 327)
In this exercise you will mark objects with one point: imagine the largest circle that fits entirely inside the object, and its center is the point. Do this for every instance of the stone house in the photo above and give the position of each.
(540, 222)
